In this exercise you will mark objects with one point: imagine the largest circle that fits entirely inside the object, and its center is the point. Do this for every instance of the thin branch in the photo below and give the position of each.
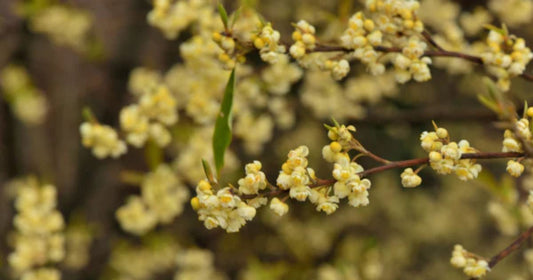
(430, 40)
(438, 53)
(392, 165)
(511, 248)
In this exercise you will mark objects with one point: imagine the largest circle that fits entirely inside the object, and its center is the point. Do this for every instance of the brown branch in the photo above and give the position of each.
(438, 53)
(431, 41)
(511, 248)
(392, 165)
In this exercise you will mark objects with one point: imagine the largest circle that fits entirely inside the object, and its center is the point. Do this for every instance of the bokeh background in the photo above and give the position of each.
(402, 234)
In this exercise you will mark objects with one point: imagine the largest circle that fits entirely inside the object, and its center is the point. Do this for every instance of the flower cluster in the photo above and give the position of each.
(472, 265)
(254, 181)
(39, 239)
(223, 209)
(506, 57)
(231, 53)
(338, 68)
(162, 199)
(174, 16)
(304, 39)
(27, 103)
(149, 119)
(410, 178)
(396, 16)
(279, 77)
(102, 139)
(410, 63)
(64, 25)
(445, 155)
(346, 172)
(267, 42)
(362, 36)
(295, 176)
(512, 12)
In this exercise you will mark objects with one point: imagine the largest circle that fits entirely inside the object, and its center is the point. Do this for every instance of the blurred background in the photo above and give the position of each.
(402, 234)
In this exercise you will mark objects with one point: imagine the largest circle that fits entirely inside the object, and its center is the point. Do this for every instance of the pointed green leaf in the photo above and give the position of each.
(235, 16)
(222, 134)
(223, 15)
(488, 103)
(208, 172)
(88, 115)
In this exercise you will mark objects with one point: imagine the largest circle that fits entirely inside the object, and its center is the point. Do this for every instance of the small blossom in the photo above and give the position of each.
(410, 179)
(278, 206)
(515, 168)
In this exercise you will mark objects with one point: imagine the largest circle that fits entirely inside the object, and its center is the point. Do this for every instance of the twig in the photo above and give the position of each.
(430, 40)
(509, 249)
(438, 53)
(392, 165)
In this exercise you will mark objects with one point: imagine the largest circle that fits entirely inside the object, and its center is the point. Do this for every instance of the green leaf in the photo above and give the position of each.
(88, 115)
(488, 103)
(235, 16)
(223, 15)
(222, 134)
(208, 172)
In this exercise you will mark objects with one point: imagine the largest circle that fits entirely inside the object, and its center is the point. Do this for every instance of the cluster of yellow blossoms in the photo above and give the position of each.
(295, 176)
(174, 16)
(149, 119)
(223, 209)
(506, 57)
(472, 265)
(348, 182)
(267, 42)
(162, 199)
(362, 36)
(64, 25)
(103, 140)
(304, 39)
(231, 52)
(27, 103)
(515, 138)
(226, 208)
(445, 155)
(39, 240)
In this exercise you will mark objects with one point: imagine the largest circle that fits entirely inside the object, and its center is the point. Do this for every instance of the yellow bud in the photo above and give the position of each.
(285, 168)
(530, 112)
(216, 37)
(434, 156)
(224, 57)
(368, 25)
(308, 39)
(296, 35)
(409, 24)
(335, 147)
(195, 203)
(204, 186)
(259, 43)
(442, 132)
